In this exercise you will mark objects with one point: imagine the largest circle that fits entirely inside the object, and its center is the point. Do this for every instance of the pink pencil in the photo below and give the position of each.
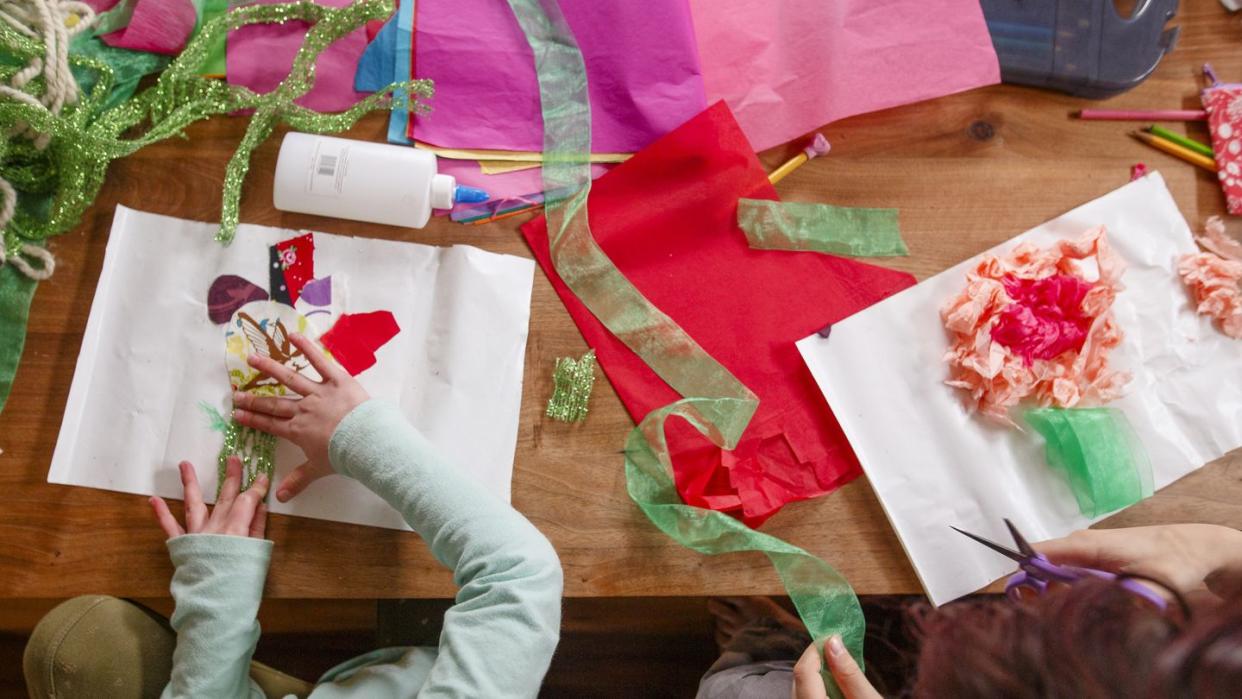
(1144, 114)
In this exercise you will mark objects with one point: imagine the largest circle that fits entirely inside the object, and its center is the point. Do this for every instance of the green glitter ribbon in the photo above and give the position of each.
(572, 382)
(1099, 453)
(257, 451)
(58, 184)
(716, 404)
(837, 230)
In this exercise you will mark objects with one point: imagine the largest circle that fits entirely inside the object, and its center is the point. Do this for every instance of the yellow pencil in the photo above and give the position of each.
(819, 146)
(1175, 150)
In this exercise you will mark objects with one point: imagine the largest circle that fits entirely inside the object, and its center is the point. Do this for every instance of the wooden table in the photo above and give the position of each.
(967, 172)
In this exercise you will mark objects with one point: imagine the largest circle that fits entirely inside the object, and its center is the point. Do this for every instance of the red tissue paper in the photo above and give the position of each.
(1046, 317)
(668, 220)
(354, 338)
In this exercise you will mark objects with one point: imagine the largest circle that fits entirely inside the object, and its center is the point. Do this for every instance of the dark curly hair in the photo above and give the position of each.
(1092, 640)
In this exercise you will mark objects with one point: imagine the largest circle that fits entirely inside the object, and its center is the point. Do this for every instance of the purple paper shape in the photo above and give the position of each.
(228, 293)
(317, 292)
(259, 56)
(157, 26)
(642, 73)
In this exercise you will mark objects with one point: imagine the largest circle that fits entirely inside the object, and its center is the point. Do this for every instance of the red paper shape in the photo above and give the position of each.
(668, 219)
(297, 260)
(355, 337)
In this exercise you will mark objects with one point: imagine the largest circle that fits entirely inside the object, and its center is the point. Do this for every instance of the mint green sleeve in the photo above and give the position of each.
(500, 634)
(217, 587)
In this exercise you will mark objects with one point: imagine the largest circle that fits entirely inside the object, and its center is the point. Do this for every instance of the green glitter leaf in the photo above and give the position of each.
(572, 382)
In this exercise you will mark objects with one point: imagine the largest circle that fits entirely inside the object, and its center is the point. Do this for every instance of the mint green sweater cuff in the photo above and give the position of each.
(217, 587)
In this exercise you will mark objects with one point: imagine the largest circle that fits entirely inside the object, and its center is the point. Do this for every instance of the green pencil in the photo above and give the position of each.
(1181, 140)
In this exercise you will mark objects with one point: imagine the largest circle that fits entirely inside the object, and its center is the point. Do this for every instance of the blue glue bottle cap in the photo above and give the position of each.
(468, 195)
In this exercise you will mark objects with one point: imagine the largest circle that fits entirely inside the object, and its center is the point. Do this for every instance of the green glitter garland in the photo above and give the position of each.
(56, 185)
(572, 382)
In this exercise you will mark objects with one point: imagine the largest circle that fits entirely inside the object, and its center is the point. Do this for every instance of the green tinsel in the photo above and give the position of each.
(57, 184)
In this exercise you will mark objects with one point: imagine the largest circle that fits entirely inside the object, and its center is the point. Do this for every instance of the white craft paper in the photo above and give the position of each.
(933, 464)
(150, 355)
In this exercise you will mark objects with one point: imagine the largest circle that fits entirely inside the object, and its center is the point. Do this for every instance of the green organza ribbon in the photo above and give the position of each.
(1099, 453)
(838, 230)
(716, 404)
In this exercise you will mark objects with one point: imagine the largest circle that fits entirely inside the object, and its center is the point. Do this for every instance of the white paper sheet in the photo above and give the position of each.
(150, 355)
(933, 464)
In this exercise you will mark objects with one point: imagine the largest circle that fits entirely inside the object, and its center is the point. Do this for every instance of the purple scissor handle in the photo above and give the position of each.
(1036, 572)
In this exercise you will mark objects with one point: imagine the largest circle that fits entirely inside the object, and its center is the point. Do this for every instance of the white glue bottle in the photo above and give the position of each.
(363, 181)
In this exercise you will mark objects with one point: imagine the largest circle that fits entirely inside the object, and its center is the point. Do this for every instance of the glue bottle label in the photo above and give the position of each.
(328, 168)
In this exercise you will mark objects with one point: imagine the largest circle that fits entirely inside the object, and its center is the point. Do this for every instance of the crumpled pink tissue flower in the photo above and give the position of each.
(1039, 323)
(1214, 278)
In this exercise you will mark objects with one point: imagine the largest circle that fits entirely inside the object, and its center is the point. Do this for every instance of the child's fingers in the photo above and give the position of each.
(291, 379)
(327, 368)
(807, 684)
(195, 510)
(162, 515)
(228, 490)
(264, 423)
(276, 407)
(258, 525)
(295, 482)
(241, 517)
(845, 671)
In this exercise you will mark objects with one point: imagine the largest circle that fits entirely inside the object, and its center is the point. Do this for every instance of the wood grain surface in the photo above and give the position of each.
(967, 172)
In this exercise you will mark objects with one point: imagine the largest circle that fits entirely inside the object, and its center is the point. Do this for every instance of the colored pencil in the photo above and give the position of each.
(1183, 141)
(1143, 114)
(503, 215)
(1175, 150)
(819, 146)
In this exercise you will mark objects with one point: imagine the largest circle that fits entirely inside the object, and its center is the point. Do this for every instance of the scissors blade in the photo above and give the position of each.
(1002, 550)
(1025, 548)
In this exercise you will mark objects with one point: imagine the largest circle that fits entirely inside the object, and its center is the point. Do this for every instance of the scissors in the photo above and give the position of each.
(1036, 572)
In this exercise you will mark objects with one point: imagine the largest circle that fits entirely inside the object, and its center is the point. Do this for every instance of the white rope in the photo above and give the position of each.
(50, 21)
(40, 272)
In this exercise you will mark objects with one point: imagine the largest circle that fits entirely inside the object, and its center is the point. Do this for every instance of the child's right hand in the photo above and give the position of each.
(308, 421)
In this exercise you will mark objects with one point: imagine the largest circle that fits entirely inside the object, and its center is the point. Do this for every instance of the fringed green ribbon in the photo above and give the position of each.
(716, 404)
(1099, 453)
(257, 451)
(572, 381)
(837, 230)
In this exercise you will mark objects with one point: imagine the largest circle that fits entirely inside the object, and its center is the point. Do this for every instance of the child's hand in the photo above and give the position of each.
(234, 515)
(807, 683)
(308, 421)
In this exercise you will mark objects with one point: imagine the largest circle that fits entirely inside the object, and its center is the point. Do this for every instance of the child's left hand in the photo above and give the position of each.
(234, 514)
